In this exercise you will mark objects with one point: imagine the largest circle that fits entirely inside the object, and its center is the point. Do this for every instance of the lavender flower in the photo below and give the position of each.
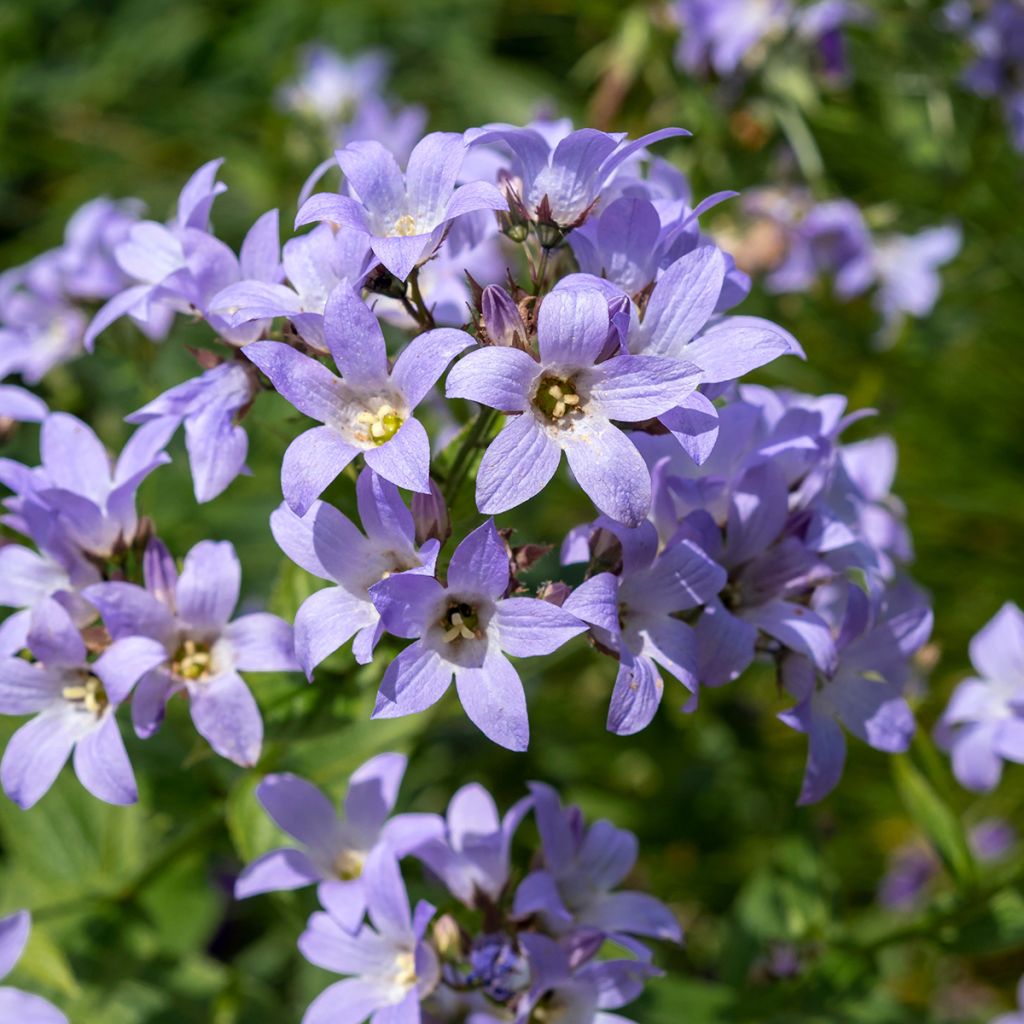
(390, 967)
(15, 1005)
(337, 848)
(634, 615)
(723, 33)
(582, 866)
(203, 652)
(369, 411)
(565, 401)
(75, 702)
(465, 629)
(209, 406)
(983, 725)
(330, 87)
(327, 544)
(559, 184)
(404, 217)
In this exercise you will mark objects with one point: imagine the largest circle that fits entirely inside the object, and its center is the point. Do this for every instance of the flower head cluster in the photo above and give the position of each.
(558, 941)
(814, 240)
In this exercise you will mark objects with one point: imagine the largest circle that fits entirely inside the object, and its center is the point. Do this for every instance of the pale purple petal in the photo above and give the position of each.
(499, 377)
(480, 564)
(354, 338)
(373, 791)
(14, 932)
(405, 458)
(572, 327)
(374, 174)
(596, 601)
(694, 424)
(344, 901)
(637, 694)
(826, 755)
(300, 809)
(277, 871)
(26, 687)
(636, 388)
(414, 681)
(345, 1002)
(431, 173)
(736, 345)
(405, 603)
(260, 255)
(102, 765)
(516, 466)
(976, 764)
(36, 753)
(52, 637)
(528, 627)
(385, 517)
(311, 462)
(493, 698)
(421, 363)
(401, 254)
(997, 650)
(26, 1008)
(125, 661)
(323, 541)
(208, 587)
(300, 380)
(325, 621)
(226, 715)
(725, 645)
(682, 302)
(388, 902)
(799, 628)
(128, 610)
(262, 642)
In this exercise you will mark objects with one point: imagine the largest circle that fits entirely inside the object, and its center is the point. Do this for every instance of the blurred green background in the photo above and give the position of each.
(134, 919)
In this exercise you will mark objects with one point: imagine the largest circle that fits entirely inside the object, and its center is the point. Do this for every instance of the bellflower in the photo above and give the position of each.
(87, 264)
(864, 692)
(390, 967)
(337, 847)
(565, 401)
(983, 725)
(209, 406)
(472, 856)
(582, 865)
(404, 217)
(313, 265)
(633, 615)
(560, 183)
(466, 628)
(75, 702)
(721, 34)
(368, 411)
(203, 651)
(330, 87)
(326, 543)
(91, 502)
(15, 1005)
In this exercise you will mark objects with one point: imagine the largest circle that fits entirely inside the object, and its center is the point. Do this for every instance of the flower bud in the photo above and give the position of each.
(554, 592)
(430, 514)
(447, 937)
(501, 320)
(382, 282)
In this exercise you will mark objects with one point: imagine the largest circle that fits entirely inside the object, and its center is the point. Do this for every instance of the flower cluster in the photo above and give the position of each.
(728, 36)
(996, 35)
(556, 939)
(797, 241)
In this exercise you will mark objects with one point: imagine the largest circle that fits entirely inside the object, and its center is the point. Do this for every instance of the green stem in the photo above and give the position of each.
(464, 456)
(425, 318)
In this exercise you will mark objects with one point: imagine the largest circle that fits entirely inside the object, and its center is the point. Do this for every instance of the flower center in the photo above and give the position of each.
(381, 425)
(192, 661)
(89, 696)
(405, 226)
(405, 970)
(556, 398)
(348, 865)
(460, 622)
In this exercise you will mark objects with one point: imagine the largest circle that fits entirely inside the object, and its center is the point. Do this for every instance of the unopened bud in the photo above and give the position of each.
(501, 320)
(159, 572)
(554, 592)
(381, 281)
(430, 514)
(549, 234)
(447, 937)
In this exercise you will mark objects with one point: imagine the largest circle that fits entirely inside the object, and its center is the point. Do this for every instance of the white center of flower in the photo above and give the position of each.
(349, 864)
(405, 970)
(88, 696)
(379, 426)
(405, 226)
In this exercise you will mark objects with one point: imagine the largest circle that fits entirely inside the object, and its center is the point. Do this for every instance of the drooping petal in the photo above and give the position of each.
(226, 715)
(736, 345)
(637, 694)
(102, 765)
(516, 466)
(634, 913)
(694, 424)
(826, 755)
(385, 517)
(493, 698)
(528, 627)
(799, 628)
(976, 763)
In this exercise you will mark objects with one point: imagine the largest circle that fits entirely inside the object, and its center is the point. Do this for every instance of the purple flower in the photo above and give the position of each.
(560, 183)
(565, 401)
(203, 651)
(209, 406)
(77, 490)
(466, 629)
(472, 856)
(404, 217)
(88, 267)
(75, 702)
(331, 87)
(822, 25)
(983, 725)
(634, 616)
(722, 33)
(314, 264)
(16, 1006)
(336, 847)
(327, 544)
(20, 405)
(865, 691)
(368, 411)
(390, 968)
(582, 865)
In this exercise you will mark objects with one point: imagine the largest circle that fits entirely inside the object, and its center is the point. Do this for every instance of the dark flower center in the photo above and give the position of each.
(557, 398)
(460, 622)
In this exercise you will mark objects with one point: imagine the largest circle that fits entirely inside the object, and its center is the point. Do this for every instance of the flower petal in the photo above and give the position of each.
(311, 462)
(516, 466)
(493, 698)
(405, 459)
(226, 715)
(528, 627)
(501, 378)
(102, 765)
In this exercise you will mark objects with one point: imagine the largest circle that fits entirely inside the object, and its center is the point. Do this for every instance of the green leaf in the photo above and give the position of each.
(938, 822)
